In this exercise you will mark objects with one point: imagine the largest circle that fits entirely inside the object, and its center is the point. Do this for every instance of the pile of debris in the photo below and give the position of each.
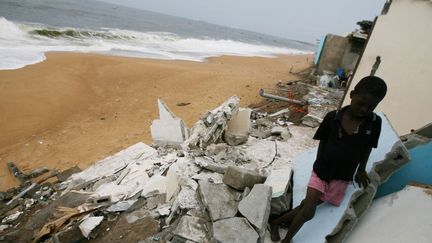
(219, 181)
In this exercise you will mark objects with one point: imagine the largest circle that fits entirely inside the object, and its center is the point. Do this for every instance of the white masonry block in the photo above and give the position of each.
(169, 130)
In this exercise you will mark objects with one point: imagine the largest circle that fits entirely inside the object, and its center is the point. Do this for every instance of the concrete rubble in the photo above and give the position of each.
(218, 182)
(89, 224)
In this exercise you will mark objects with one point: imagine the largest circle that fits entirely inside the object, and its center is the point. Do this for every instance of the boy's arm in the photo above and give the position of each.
(361, 176)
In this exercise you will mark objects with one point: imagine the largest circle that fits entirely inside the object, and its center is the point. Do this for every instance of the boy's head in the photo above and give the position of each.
(366, 95)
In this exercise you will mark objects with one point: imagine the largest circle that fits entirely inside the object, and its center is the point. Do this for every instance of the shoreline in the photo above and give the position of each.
(77, 108)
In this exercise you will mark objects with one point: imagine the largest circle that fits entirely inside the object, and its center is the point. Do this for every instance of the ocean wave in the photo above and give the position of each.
(25, 43)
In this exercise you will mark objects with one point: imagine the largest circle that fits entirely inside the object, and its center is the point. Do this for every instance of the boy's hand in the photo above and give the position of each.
(362, 179)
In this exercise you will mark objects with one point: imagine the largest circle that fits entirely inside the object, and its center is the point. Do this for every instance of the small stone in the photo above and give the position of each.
(11, 218)
(3, 227)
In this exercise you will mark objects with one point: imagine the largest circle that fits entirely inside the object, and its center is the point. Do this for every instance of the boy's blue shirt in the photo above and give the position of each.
(342, 152)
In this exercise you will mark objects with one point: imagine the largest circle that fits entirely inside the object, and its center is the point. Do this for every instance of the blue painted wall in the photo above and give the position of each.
(320, 48)
(419, 169)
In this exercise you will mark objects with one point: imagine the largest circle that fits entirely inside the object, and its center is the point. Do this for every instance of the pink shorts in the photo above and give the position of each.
(332, 192)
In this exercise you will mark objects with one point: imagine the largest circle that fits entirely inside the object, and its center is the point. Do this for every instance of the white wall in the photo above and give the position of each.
(403, 39)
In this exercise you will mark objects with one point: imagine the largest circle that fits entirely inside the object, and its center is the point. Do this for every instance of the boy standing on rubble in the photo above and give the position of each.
(347, 137)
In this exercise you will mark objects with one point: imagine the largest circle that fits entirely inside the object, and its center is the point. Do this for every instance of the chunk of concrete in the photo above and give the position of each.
(64, 175)
(89, 224)
(256, 208)
(240, 178)
(234, 230)
(238, 127)
(281, 132)
(219, 200)
(109, 166)
(156, 185)
(121, 206)
(208, 164)
(407, 209)
(168, 130)
(314, 117)
(192, 228)
(280, 182)
(210, 128)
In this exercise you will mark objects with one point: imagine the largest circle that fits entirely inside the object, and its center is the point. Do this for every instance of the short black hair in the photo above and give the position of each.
(371, 85)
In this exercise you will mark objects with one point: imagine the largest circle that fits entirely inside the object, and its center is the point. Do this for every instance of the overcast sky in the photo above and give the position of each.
(305, 20)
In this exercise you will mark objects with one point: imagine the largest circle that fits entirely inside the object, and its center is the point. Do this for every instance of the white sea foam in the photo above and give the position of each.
(24, 44)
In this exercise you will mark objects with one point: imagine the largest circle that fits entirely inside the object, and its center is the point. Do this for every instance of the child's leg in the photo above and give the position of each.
(305, 213)
(285, 218)
(291, 215)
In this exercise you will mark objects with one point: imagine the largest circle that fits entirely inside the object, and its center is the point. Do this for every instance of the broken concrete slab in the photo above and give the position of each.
(210, 128)
(240, 178)
(168, 130)
(238, 128)
(261, 128)
(406, 209)
(260, 153)
(121, 206)
(256, 208)
(155, 200)
(209, 164)
(413, 140)
(234, 230)
(209, 176)
(156, 185)
(64, 175)
(282, 132)
(219, 200)
(113, 191)
(89, 224)
(136, 215)
(110, 165)
(417, 170)
(383, 161)
(280, 181)
(192, 228)
(187, 199)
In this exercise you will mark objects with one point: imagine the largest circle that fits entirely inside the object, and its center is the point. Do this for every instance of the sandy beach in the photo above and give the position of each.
(74, 109)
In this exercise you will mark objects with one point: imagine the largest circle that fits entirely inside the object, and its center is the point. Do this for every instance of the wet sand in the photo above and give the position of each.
(74, 109)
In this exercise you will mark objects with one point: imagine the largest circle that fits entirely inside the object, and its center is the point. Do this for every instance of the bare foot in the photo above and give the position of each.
(274, 232)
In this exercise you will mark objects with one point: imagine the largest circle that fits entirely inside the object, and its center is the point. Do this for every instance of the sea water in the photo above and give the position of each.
(29, 28)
